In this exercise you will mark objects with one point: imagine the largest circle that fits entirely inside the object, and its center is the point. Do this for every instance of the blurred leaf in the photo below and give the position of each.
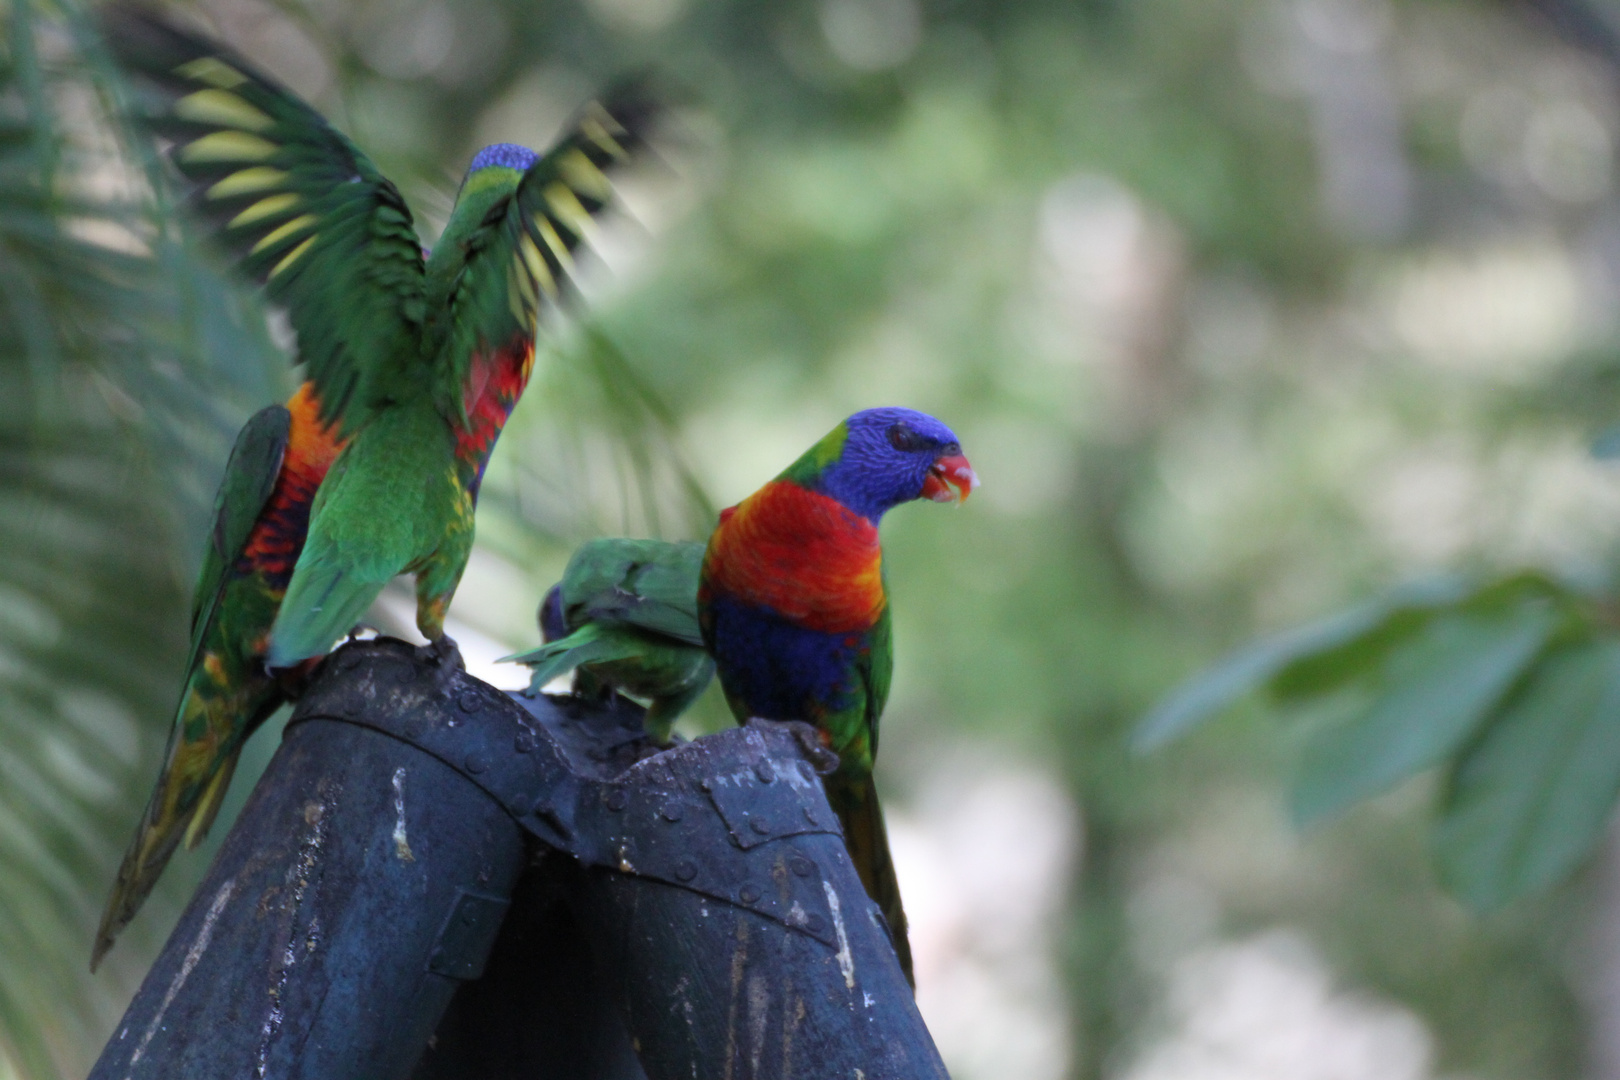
(1436, 691)
(1530, 798)
(1336, 642)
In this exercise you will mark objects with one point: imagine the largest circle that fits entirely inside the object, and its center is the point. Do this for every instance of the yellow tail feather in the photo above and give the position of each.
(163, 826)
(208, 804)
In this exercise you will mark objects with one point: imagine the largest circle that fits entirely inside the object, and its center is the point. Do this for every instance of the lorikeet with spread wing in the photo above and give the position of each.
(260, 517)
(417, 361)
(625, 616)
(793, 606)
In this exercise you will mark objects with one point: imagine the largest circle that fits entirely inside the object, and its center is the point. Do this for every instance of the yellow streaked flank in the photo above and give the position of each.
(548, 233)
(599, 126)
(281, 232)
(583, 176)
(248, 181)
(519, 287)
(538, 270)
(223, 108)
(518, 278)
(565, 204)
(292, 256)
(228, 146)
(213, 71)
(268, 206)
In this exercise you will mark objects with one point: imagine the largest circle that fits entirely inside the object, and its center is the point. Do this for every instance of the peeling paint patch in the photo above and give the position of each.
(846, 961)
(759, 1009)
(193, 955)
(299, 875)
(402, 843)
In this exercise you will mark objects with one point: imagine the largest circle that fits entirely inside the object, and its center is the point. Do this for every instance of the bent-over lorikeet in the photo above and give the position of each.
(625, 616)
(418, 361)
(794, 609)
(260, 517)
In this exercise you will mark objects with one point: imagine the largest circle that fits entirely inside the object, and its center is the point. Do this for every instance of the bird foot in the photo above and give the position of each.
(821, 757)
(443, 653)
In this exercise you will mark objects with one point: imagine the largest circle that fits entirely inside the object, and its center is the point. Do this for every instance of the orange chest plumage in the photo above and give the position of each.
(804, 555)
(278, 536)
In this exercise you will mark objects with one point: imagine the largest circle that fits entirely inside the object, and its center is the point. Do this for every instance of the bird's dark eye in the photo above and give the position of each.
(950, 450)
(902, 438)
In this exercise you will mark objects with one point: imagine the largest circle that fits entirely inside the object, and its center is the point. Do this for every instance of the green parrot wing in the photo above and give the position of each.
(877, 670)
(521, 258)
(587, 645)
(648, 584)
(297, 205)
(250, 477)
(602, 565)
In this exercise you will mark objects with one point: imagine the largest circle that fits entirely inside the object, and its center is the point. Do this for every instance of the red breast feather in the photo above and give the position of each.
(801, 554)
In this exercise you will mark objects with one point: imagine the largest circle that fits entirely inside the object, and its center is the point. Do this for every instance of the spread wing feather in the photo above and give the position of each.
(296, 204)
(522, 259)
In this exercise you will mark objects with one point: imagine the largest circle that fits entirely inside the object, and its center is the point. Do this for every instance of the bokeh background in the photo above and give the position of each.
(1243, 309)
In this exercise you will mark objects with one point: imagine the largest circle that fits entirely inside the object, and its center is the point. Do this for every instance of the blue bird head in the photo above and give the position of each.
(880, 458)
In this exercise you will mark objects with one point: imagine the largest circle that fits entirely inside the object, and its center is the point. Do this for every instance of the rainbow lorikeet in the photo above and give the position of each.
(260, 517)
(625, 617)
(794, 609)
(417, 360)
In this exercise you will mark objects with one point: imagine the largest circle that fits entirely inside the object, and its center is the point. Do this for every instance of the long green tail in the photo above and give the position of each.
(197, 770)
(857, 806)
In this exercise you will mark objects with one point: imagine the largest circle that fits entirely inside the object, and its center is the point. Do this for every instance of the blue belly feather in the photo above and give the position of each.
(781, 671)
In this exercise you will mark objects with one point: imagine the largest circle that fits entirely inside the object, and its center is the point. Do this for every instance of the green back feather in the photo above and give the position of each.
(646, 584)
(815, 460)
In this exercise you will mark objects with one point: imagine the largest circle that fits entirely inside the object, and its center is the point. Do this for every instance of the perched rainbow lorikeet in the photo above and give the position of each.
(794, 609)
(625, 617)
(416, 360)
(260, 517)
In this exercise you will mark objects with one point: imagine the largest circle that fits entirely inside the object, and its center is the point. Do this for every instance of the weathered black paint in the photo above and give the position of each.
(306, 951)
(693, 908)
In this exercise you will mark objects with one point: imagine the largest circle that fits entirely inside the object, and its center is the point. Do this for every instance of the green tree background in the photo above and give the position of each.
(1244, 310)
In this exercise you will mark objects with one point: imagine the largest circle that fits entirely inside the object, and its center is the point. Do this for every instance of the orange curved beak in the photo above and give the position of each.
(950, 479)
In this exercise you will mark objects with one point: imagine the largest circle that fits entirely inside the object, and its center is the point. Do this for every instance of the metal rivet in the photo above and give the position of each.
(749, 894)
(705, 785)
(801, 865)
(761, 826)
(763, 771)
(685, 871)
(468, 702)
(814, 922)
(477, 763)
(617, 800)
(673, 811)
(523, 743)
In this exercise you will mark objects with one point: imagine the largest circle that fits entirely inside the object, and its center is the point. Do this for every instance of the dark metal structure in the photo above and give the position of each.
(437, 880)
